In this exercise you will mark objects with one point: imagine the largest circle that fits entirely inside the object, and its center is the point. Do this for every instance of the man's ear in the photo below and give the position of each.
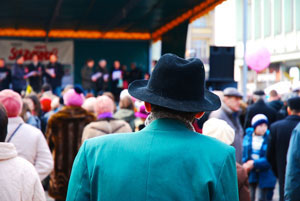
(147, 107)
(289, 111)
(199, 115)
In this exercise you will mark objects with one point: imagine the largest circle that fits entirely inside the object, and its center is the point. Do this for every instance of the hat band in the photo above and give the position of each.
(261, 121)
(177, 96)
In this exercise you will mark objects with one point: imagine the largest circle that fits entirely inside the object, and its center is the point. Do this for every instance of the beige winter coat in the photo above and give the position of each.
(105, 126)
(31, 145)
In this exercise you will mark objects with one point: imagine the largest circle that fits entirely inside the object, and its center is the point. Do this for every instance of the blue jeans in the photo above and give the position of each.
(264, 193)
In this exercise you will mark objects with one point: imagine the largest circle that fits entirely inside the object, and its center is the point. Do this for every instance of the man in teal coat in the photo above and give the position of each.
(167, 160)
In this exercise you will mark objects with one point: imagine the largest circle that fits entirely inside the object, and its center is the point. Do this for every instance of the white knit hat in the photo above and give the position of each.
(219, 129)
(124, 93)
(259, 119)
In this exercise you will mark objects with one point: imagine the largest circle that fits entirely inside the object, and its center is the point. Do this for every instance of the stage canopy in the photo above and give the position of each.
(98, 19)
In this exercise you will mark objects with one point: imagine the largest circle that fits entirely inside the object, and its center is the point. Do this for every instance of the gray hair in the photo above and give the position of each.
(158, 112)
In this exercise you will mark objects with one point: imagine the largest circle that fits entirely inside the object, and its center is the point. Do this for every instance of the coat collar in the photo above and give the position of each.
(165, 124)
(293, 117)
(15, 120)
(260, 102)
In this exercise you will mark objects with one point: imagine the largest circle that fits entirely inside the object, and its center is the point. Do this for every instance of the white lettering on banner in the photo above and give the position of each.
(10, 49)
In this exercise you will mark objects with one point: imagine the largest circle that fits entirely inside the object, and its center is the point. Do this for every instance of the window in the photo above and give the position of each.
(277, 17)
(297, 14)
(288, 15)
(240, 19)
(257, 19)
(200, 23)
(267, 18)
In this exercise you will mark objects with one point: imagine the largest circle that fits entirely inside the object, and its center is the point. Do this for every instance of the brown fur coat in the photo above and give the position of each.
(64, 132)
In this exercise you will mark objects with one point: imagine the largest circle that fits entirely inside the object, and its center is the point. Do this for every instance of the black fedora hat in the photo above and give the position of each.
(176, 84)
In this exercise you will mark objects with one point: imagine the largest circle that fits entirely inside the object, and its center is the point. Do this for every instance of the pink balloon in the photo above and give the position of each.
(259, 60)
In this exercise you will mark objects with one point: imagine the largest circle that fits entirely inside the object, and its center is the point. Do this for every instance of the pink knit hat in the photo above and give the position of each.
(103, 104)
(72, 98)
(12, 102)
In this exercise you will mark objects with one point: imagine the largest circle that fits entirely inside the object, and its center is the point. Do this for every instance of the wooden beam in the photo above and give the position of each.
(53, 17)
(141, 20)
(17, 12)
(121, 15)
(199, 10)
(80, 34)
(85, 14)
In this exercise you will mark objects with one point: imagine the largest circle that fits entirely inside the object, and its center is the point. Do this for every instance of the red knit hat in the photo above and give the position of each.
(45, 104)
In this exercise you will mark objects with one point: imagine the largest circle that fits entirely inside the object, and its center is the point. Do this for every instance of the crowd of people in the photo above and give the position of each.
(95, 79)
(263, 128)
(35, 74)
(62, 142)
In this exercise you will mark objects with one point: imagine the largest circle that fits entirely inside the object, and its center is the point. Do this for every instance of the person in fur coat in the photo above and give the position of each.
(64, 134)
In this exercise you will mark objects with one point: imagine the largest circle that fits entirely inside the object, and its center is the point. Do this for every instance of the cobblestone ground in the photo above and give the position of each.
(275, 197)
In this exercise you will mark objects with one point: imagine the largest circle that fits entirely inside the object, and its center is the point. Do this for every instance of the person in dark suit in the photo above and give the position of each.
(101, 82)
(279, 139)
(34, 71)
(54, 72)
(259, 107)
(87, 76)
(116, 80)
(18, 75)
(274, 101)
(135, 73)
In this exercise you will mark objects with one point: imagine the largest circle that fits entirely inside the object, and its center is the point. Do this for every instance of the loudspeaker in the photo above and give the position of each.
(219, 85)
(221, 72)
(221, 63)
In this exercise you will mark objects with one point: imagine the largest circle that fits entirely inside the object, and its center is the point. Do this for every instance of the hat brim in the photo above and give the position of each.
(139, 90)
(234, 95)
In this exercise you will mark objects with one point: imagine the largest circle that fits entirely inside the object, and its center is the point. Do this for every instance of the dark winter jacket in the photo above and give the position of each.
(59, 73)
(6, 74)
(280, 134)
(135, 74)
(35, 81)
(86, 78)
(18, 81)
(101, 84)
(260, 107)
(262, 172)
(276, 104)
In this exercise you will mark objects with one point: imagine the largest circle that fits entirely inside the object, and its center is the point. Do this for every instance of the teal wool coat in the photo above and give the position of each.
(163, 162)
